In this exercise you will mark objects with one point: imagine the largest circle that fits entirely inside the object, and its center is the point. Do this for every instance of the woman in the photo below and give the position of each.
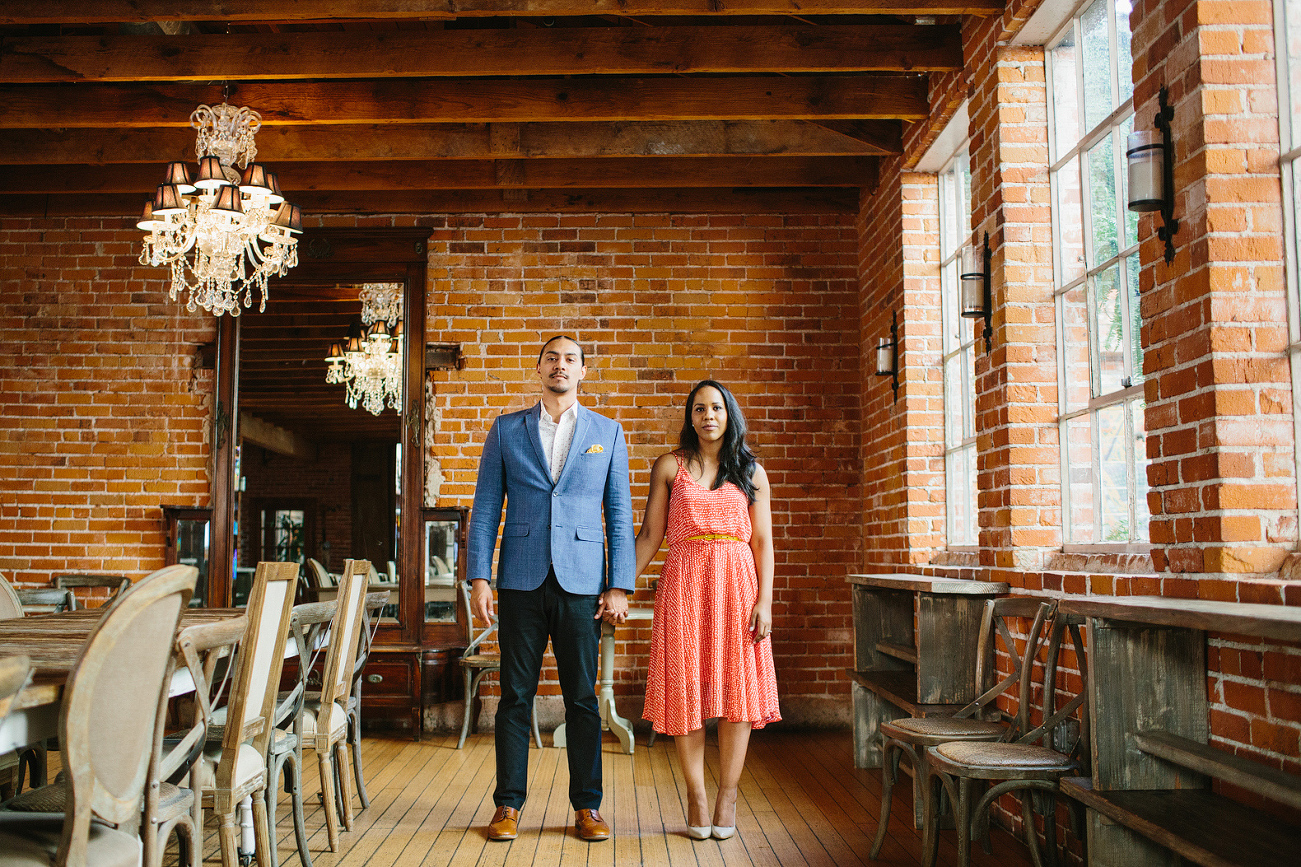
(711, 652)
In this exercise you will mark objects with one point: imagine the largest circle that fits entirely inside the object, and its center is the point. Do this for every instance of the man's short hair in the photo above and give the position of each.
(582, 359)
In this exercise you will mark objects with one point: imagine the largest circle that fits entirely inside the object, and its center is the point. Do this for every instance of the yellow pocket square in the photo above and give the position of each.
(595, 450)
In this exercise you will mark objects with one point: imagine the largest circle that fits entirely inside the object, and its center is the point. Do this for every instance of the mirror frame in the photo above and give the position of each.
(331, 256)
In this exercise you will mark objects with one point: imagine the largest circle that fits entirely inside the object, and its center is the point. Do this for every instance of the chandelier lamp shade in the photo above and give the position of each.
(226, 229)
(370, 364)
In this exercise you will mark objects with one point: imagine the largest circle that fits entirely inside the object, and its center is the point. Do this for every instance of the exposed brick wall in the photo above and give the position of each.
(764, 304)
(1215, 319)
(103, 414)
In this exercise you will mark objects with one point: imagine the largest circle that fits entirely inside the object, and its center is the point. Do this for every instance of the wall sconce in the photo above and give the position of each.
(976, 294)
(887, 355)
(1151, 173)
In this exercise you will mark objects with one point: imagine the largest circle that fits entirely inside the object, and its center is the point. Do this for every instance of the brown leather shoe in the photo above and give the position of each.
(590, 826)
(504, 824)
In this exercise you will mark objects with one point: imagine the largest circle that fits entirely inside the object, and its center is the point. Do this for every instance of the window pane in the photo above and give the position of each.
(1102, 207)
(1135, 324)
(1066, 119)
(949, 303)
(1131, 217)
(1096, 63)
(964, 195)
(948, 214)
(1294, 63)
(1113, 476)
(953, 401)
(969, 392)
(1142, 514)
(1108, 333)
(1080, 478)
(1075, 380)
(1070, 222)
(1124, 61)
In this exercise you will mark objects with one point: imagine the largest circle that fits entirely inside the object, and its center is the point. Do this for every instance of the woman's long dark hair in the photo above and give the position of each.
(735, 460)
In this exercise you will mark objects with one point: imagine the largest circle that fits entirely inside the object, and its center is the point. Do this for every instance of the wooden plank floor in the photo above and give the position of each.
(801, 803)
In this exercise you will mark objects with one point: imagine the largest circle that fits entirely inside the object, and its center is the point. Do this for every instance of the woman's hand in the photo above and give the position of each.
(760, 621)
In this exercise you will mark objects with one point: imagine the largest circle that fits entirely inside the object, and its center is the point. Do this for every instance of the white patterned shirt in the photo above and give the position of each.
(557, 437)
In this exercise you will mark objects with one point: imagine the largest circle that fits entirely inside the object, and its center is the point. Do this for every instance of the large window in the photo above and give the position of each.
(1287, 36)
(1095, 241)
(959, 355)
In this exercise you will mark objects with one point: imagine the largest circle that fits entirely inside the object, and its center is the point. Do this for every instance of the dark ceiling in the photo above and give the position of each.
(436, 106)
(474, 105)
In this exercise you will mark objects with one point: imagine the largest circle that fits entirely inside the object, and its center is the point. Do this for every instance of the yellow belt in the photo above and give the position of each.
(713, 537)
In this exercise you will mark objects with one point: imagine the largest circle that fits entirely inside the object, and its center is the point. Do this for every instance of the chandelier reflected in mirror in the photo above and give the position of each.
(222, 232)
(370, 364)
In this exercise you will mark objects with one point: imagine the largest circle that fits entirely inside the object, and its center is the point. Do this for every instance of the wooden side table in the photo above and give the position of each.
(905, 670)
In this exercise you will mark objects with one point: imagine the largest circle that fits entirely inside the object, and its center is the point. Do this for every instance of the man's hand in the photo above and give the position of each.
(481, 600)
(613, 606)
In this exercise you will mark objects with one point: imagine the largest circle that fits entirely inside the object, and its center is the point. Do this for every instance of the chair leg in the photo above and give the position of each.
(890, 755)
(296, 799)
(263, 836)
(962, 818)
(342, 761)
(327, 796)
(931, 820)
(1031, 836)
(354, 735)
(229, 840)
(270, 794)
(471, 680)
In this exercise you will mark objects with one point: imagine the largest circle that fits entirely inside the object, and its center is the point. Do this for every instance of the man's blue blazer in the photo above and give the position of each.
(557, 524)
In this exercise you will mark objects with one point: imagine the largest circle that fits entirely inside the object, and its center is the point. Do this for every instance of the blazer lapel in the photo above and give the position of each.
(575, 447)
(535, 438)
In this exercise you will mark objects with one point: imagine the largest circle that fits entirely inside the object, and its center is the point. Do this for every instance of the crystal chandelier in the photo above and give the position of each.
(229, 231)
(371, 365)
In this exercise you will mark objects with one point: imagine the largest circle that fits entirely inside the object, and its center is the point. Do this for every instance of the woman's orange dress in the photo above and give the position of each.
(703, 662)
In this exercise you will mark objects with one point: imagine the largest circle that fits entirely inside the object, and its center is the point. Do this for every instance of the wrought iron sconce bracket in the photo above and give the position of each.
(1169, 225)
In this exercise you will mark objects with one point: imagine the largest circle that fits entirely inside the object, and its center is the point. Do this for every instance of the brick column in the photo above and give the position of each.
(1016, 404)
(1219, 415)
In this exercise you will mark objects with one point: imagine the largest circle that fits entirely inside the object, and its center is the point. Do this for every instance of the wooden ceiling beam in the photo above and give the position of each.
(459, 53)
(651, 172)
(479, 175)
(125, 207)
(458, 141)
(614, 99)
(140, 11)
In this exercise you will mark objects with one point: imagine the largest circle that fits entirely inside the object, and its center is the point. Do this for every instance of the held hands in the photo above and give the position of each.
(760, 621)
(612, 606)
(481, 600)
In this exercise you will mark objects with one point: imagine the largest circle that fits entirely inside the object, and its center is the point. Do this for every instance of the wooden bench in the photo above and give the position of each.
(915, 641)
(1149, 798)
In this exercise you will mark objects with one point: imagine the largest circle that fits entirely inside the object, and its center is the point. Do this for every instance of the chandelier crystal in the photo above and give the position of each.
(371, 365)
(222, 232)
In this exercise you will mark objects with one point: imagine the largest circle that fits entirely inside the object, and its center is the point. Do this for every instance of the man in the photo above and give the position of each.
(557, 466)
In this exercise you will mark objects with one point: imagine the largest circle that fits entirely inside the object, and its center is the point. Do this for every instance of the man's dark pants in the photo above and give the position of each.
(527, 618)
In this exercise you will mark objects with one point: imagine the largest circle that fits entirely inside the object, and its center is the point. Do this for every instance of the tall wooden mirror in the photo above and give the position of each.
(299, 474)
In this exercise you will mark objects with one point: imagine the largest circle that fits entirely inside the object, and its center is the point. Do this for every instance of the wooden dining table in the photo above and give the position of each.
(54, 643)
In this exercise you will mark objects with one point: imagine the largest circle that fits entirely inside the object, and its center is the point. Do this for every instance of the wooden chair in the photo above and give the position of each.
(236, 767)
(1034, 762)
(474, 665)
(10, 605)
(913, 737)
(14, 674)
(306, 622)
(168, 804)
(107, 726)
(12, 764)
(115, 584)
(375, 603)
(15, 671)
(46, 600)
(325, 715)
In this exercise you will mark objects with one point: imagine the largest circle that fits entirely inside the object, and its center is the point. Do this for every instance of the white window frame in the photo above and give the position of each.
(1289, 146)
(1131, 392)
(960, 477)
